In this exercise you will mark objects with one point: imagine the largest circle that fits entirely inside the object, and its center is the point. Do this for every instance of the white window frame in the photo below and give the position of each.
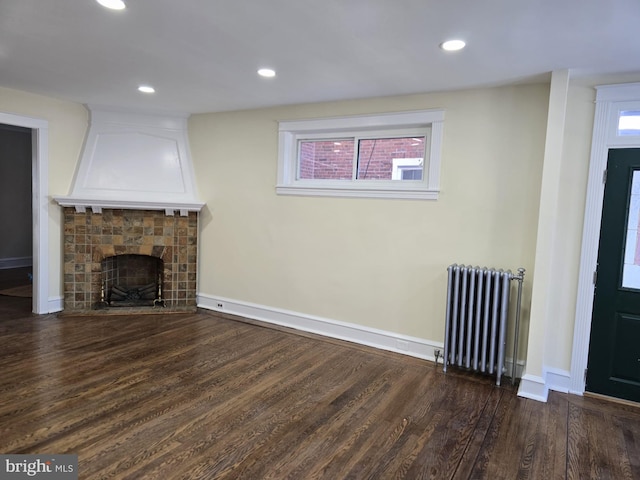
(427, 123)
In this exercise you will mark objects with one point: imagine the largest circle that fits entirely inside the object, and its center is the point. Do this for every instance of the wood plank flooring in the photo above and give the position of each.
(14, 307)
(204, 396)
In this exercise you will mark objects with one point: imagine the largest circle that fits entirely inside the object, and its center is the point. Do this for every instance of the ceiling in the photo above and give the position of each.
(202, 55)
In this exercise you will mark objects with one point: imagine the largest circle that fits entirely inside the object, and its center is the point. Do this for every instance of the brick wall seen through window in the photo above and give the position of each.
(333, 159)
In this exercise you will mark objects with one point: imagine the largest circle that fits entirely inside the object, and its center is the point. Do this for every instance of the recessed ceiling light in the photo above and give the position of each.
(452, 45)
(112, 4)
(267, 72)
(146, 89)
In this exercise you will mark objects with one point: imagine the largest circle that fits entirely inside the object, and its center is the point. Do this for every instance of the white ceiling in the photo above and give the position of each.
(202, 55)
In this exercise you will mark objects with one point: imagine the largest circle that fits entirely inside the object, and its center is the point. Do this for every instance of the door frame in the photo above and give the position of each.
(39, 204)
(610, 100)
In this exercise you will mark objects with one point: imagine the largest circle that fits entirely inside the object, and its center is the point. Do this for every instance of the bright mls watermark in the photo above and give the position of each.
(52, 467)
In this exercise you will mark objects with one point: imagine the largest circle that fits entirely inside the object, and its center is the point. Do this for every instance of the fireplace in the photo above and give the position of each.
(129, 261)
(131, 218)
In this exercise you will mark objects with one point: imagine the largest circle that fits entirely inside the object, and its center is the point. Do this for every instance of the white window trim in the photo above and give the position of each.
(427, 189)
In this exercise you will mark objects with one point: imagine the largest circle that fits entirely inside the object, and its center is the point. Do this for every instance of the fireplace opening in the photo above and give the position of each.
(132, 280)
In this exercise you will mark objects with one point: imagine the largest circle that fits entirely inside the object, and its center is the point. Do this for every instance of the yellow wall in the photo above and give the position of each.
(570, 212)
(377, 263)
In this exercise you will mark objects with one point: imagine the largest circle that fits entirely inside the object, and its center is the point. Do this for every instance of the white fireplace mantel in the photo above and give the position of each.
(134, 161)
(96, 205)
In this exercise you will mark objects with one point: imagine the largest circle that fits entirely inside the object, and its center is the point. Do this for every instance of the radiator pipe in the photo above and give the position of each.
(445, 358)
(516, 337)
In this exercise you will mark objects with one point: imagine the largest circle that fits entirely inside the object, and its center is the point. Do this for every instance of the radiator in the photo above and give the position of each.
(477, 316)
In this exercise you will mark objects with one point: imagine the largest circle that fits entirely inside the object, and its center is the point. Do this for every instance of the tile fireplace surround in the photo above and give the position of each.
(91, 237)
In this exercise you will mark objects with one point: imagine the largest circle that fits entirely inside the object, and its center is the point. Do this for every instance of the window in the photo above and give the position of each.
(357, 158)
(629, 123)
(393, 155)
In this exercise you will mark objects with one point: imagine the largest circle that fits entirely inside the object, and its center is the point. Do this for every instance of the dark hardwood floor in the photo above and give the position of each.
(207, 396)
(14, 307)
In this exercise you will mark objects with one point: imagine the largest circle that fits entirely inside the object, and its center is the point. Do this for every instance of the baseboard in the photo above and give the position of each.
(15, 262)
(533, 387)
(537, 388)
(558, 380)
(55, 304)
(384, 340)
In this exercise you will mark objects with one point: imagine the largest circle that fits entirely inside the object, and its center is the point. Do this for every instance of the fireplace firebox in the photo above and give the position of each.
(132, 280)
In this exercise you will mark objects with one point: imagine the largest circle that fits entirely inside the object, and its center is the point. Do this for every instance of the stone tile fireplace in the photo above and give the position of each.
(93, 242)
(131, 218)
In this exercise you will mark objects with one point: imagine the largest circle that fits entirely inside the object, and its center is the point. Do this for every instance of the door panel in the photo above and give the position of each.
(614, 348)
(626, 348)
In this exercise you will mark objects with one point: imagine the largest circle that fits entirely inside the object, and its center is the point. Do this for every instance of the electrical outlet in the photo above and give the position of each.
(220, 305)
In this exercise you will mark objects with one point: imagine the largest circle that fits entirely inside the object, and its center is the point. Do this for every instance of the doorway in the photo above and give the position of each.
(614, 349)
(39, 206)
(16, 249)
(612, 103)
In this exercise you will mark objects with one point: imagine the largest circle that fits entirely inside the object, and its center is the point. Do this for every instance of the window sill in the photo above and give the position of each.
(358, 192)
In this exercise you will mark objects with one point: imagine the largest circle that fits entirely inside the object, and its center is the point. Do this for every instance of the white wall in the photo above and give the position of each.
(376, 263)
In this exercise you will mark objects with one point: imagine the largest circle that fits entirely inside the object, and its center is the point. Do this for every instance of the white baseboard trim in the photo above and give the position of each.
(55, 304)
(533, 387)
(15, 262)
(537, 388)
(384, 340)
(558, 380)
